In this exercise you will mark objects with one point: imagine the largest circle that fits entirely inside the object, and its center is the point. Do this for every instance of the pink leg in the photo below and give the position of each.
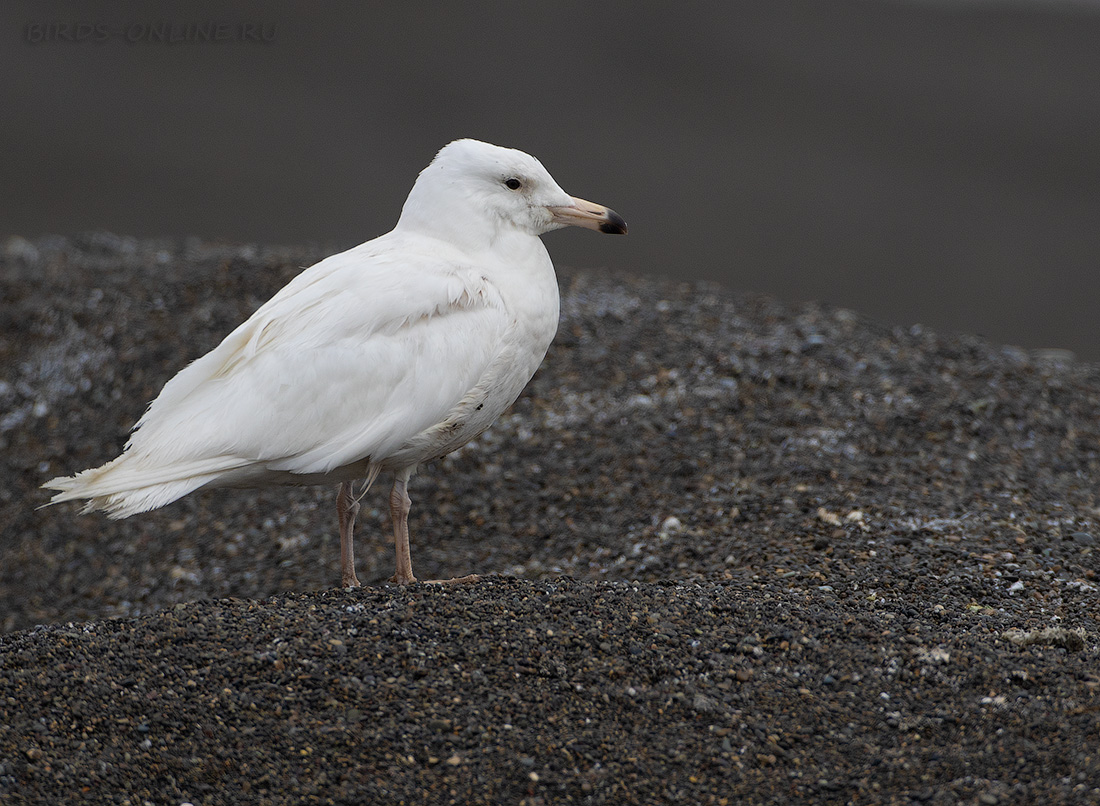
(400, 504)
(347, 508)
(399, 513)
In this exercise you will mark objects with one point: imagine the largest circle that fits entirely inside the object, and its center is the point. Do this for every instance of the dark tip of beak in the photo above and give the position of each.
(615, 225)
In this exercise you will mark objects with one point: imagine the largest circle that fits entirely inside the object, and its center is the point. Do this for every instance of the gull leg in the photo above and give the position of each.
(347, 508)
(400, 504)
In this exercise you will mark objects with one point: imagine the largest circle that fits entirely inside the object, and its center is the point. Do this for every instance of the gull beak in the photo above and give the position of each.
(587, 214)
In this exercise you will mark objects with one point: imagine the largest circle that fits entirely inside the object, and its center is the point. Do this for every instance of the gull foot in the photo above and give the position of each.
(469, 579)
(466, 580)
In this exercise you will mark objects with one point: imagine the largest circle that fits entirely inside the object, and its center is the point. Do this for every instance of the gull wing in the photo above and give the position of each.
(353, 358)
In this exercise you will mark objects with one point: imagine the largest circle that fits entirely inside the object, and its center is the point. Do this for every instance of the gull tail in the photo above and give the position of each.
(131, 483)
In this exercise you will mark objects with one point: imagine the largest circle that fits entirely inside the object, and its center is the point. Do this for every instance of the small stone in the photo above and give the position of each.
(671, 524)
(704, 704)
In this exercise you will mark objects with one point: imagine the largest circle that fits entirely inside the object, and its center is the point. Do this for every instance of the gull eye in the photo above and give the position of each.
(512, 183)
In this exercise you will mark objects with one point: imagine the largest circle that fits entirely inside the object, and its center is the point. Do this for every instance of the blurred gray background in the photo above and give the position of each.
(933, 162)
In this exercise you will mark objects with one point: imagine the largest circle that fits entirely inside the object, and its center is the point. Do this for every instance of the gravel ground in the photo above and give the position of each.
(738, 551)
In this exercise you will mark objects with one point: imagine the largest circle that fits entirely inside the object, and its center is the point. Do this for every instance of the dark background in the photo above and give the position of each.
(919, 162)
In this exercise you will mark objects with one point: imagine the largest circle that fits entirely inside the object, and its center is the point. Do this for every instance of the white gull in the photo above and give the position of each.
(377, 359)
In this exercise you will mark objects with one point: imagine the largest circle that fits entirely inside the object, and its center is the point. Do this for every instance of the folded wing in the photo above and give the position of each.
(355, 357)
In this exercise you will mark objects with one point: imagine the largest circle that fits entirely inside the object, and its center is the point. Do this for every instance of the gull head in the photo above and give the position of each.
(475, 188)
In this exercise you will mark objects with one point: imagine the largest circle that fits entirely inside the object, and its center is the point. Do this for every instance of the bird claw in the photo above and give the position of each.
(469, 579)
